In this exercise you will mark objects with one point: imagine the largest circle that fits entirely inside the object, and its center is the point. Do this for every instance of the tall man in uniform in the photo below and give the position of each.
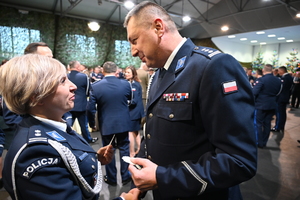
(266, 90)
(80, 103)
(112, 95)
(198, 143)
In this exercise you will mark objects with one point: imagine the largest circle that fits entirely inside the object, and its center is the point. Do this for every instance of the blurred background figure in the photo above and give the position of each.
(143, 75)
(96, 75)
(136, 110)
(82, 82)
(283, 100)
(296, 91)
(111, 95)
(265, 90)
(250, 76)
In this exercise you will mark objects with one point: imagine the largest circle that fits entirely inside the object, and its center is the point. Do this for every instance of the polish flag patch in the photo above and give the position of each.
(229, 87)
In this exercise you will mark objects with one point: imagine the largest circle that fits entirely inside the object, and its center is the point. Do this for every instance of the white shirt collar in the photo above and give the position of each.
(59, 125)
(173, 54)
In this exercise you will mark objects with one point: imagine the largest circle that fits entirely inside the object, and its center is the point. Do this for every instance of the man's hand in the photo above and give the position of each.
(145, 178)
(131, 195)
(105, 154)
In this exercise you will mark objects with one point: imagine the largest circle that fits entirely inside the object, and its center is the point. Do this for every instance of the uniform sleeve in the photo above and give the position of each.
(227, 120)
(135, 92)
(41, 174)
(257, 87)
(2, 141)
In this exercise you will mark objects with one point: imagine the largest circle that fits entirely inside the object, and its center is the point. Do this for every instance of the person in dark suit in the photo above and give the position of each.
(80, 104)
(198, 144)
(283, 99)
(266, 90)
(112, 95)
(47, 159)
(136, 109)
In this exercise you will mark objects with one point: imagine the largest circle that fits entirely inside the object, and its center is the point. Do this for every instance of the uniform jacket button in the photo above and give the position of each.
(93, 166)
(93, 159)
(149, 157)
(150, 115)
(148, 136)
(171, 116)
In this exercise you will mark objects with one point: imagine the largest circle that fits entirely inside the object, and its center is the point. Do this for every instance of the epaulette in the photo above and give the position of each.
(206, 51)
(37, 135)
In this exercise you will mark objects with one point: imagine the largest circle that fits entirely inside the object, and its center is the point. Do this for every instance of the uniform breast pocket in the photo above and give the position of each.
(175, 111)
(175, 123)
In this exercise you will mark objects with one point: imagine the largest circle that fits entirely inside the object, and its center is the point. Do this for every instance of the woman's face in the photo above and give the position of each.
(61, 101)
(128, 74)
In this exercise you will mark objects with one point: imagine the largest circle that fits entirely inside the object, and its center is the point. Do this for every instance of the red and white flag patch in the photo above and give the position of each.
(229, 87)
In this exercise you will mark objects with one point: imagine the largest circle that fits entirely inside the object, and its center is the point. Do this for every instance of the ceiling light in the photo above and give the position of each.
(260, 32)
(253, 41)
(186, 18)
(94, 26)
(289, 40)
(129, 4)
(298, 15)
(262, 43)
(243, 39)
(225, 28)
(281, 38)
(231, 36)
(272, 35)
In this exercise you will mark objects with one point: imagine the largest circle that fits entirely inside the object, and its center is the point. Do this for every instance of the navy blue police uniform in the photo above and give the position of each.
(112, 96)
(136, 107)
(47, 163)
(266, 91)
(80, 103)
(199, 126)
(283, 100)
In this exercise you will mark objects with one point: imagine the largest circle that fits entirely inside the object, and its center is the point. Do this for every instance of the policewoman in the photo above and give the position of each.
(47, 159)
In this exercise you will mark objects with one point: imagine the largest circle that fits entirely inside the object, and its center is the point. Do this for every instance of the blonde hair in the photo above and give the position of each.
(27, 79)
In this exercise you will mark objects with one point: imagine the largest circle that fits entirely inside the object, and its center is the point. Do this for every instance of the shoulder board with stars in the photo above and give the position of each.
(206, 51)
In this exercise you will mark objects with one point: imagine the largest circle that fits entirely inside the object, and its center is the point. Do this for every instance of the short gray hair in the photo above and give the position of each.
(146, 11)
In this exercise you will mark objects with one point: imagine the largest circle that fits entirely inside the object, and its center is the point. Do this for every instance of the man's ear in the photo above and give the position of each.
(158, 26)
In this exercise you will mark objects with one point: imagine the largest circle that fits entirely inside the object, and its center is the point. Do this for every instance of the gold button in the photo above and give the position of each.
(196, 48)
(171, 116)
(93, 166)
(150, 115)
(149, 157)
(148, 136)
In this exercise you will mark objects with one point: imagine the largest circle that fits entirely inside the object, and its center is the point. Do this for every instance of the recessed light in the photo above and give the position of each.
(186, 18)
(129, 4)
(298, 15)
(260, 32)
(289, 40)
(263, 43)
(243, 39)
(253, 41)
(281, 38)
(231, 36)
(272, 35)
(225, 28)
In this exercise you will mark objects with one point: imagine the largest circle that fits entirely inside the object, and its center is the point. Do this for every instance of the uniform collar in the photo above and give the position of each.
(173, 54)
(59, 125)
